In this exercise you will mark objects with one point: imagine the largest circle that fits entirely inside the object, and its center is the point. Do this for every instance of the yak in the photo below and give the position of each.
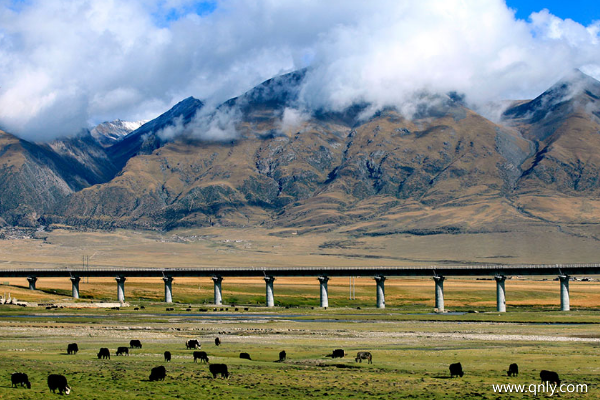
(72, 348)
(456, 370)
(104, 353)
(200, 355)
(122, 350)
(158, 374)
(337, 353)
(58, 382)
(216, 369)
(364, 355)
(549, 376)
(19, 378)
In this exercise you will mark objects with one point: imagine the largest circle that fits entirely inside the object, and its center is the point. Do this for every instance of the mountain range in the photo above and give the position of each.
(447, 169)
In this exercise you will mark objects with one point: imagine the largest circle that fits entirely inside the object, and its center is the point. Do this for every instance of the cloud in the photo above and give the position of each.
(472, 47)
(293, 119)
(66, 64)
(208, 124)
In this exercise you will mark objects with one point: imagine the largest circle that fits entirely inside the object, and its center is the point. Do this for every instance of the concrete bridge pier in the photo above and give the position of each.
(75, 286)
(218, 293)
(270, 298)
(380, 279)
(31, 280)
(324, 295)
(439, 293)
(500, 293)
(168, 288)
(564, 293)
(120, 288)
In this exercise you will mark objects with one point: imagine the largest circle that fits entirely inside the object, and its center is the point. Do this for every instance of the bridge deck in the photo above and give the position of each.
(452, 270)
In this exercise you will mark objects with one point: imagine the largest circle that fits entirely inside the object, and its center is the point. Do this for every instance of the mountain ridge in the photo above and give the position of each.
(447, 169)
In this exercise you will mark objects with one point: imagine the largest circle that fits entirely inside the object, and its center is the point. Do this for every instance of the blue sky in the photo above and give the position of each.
(167, 14)
(583, 11)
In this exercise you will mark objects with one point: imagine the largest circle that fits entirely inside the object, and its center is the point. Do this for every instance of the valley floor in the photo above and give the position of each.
(410, 357)
(412, 347)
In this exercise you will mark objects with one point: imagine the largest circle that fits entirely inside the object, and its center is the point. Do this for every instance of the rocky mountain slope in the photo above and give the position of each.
(36, 178)
(561, 179)
(447, 169)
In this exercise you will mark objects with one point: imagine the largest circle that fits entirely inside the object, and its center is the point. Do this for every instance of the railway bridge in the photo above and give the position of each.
(438, 273)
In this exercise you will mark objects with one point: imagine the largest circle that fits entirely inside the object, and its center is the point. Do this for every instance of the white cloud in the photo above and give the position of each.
(207, 124)
(293, 119)
(66, 63)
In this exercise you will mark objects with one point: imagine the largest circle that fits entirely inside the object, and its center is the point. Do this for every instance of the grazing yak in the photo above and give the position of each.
(245, 356)
(192, 344)
(58, 382)
(122, 351)
(217, 342)
(200, 355)
(167, 356)
(135, 344)
(104, 353)
(513, 370)
(216, 369)
(158, 374)
(282, 356)
(549, 376)
(364, 355)
(337, 353)
(456, 370)
(72, 348)
(19, 378)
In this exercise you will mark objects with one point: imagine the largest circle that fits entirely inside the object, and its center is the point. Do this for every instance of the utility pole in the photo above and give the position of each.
(85, 264)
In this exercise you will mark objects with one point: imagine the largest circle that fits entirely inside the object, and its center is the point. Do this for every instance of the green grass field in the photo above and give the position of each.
(411, 353)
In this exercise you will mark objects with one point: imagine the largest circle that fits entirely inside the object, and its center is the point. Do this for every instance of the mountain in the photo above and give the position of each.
(446, 170)
(322, 173)
(144, 140)
(562, 178)
(539, 118)
(38, 177)
(564, 125)
(110, 132)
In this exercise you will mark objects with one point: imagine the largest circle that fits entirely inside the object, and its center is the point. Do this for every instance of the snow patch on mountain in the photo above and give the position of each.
(110, 132)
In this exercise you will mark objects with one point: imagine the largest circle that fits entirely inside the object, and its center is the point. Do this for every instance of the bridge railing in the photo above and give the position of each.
(429, 270)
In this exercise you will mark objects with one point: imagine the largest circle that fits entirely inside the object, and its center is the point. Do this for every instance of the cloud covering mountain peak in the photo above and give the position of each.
(66, 65)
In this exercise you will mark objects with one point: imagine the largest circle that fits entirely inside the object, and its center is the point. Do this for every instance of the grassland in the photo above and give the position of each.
(410, 357)
(287, 247)
(411, 345)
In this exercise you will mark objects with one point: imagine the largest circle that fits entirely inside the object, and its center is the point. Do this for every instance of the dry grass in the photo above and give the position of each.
(410, 292)
(286, 247)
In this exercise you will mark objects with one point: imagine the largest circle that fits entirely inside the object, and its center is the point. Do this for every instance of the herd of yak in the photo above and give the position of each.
(59, 382)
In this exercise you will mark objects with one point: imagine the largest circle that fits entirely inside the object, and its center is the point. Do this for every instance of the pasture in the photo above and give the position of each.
(411, 346)
(411, 354)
